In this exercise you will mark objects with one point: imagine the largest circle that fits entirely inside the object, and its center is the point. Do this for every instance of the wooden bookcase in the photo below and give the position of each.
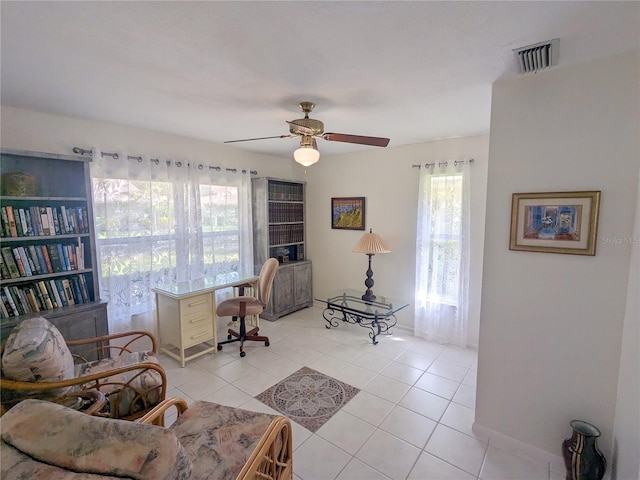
(279, 232)
(47, 244)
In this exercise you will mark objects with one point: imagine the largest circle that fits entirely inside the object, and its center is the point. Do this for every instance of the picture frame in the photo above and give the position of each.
(348, 213)
(555, 222)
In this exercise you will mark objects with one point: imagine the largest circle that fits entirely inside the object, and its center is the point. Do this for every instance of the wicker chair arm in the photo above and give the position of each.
(159, 410)
(272, 458)
(19, 386)
(136, 334)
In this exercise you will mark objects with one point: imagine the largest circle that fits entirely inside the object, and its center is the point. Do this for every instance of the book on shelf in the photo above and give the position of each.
(18, 260)
(12, 266)
(23, 222)
(3, 269)
(61, 294)
(47, 260)
(35, 262)
(56, 262)
(11, 220)
(6, 297)
(64, 260)
(76, 290)
(4, 313)
(44, 293)
(26, 260)
(44, 220)
(5, 222)
(68, 291)
(84, 288)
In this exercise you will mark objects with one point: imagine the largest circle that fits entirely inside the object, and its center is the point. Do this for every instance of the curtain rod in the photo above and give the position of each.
(443, 164)
(115, 156)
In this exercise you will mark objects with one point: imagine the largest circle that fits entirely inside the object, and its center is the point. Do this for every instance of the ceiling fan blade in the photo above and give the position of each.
(360, 139)
(259, 138)
(302, 129)
(314, 144)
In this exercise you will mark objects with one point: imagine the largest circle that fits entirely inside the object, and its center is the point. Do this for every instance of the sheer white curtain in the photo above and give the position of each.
(160, 221)
(442, 253)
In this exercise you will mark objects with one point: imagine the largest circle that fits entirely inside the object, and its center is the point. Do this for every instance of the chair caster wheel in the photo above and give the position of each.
(228, 337)
(242, 354)
(219, 347)
(266, 344)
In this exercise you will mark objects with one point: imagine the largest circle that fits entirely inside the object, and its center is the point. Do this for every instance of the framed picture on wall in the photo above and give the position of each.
(555, 222)
(347, 213)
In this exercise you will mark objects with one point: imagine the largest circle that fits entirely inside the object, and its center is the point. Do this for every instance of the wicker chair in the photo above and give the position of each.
(37, 363)
(268, 451)
(208, 441)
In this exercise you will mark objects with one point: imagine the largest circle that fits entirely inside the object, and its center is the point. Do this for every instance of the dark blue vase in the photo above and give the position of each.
(582, 457)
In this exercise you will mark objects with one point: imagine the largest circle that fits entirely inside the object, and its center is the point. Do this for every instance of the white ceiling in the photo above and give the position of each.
(410, 71)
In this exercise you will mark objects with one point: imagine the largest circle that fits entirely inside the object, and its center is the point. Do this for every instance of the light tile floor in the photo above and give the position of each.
(411, 420)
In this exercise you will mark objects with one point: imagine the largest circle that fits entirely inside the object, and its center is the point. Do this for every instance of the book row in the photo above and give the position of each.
(286, 191)
(286, 212)
(43, 295)
(29, 260)
(43, 221)
(283, 234)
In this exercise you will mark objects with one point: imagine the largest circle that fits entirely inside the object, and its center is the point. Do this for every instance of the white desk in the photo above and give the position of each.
(186, 314)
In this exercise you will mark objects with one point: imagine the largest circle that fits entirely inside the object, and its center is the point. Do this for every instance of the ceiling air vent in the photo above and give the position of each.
(537, 57)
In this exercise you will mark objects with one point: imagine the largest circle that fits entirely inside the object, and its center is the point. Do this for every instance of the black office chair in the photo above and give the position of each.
(241, 306)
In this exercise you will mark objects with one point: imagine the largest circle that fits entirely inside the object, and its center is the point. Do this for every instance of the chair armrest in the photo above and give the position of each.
(88, 382)
(104, 347)
(273, 456)
(159, 410)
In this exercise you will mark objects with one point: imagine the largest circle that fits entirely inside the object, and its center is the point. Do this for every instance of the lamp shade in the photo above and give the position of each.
(306, 156)
(371, 243)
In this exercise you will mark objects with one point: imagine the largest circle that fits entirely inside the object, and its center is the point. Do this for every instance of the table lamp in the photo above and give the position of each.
(370, 244)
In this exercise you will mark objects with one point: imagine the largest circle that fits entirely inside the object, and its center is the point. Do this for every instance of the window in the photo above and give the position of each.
(159, 223)
(444, 246)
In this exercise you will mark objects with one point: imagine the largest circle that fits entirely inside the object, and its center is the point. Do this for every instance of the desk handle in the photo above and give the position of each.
(199, 335)
(197, 320)
(197, 303)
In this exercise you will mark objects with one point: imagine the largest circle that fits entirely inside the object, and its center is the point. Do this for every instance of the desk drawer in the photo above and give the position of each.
(196, 320)
(197, 335)
(196, 304)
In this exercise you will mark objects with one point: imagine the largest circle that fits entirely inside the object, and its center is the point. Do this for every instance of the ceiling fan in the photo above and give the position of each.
(308, 129)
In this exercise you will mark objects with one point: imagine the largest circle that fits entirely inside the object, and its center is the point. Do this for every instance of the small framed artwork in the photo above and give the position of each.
(347, 213)
(558, 222)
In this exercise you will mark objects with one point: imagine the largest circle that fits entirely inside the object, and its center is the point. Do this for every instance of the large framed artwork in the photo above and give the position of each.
(347, 213)
(555, 222)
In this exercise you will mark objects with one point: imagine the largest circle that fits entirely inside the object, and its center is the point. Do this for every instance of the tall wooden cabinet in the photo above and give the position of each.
(47, 244)
(279, 232)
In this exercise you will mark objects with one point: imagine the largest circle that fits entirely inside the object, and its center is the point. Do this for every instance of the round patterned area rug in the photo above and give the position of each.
(308, 397)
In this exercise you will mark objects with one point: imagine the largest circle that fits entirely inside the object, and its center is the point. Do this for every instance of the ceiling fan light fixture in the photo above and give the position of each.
(306, 156)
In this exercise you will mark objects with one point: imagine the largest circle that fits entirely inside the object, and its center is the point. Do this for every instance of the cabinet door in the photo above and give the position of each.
(90, 322)
(302, 284)
(282, 289)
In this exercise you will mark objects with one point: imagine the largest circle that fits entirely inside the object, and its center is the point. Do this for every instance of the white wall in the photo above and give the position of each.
(388, 182)
(40, 132)
(551, 325)
(627, 422)
(383, 176)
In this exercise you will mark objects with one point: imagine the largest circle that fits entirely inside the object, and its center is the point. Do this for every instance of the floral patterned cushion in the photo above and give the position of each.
(35, 352)
(15, 465)
(219, 439)
(72, 440)
(143, 386)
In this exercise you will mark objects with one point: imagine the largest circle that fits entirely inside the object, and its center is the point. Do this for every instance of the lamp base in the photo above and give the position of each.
(368, 296)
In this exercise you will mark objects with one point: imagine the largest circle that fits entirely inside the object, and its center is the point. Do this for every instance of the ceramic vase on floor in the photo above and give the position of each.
(583, 459)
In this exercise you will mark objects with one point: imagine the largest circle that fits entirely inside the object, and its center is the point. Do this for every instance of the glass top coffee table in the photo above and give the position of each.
(377, 315)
